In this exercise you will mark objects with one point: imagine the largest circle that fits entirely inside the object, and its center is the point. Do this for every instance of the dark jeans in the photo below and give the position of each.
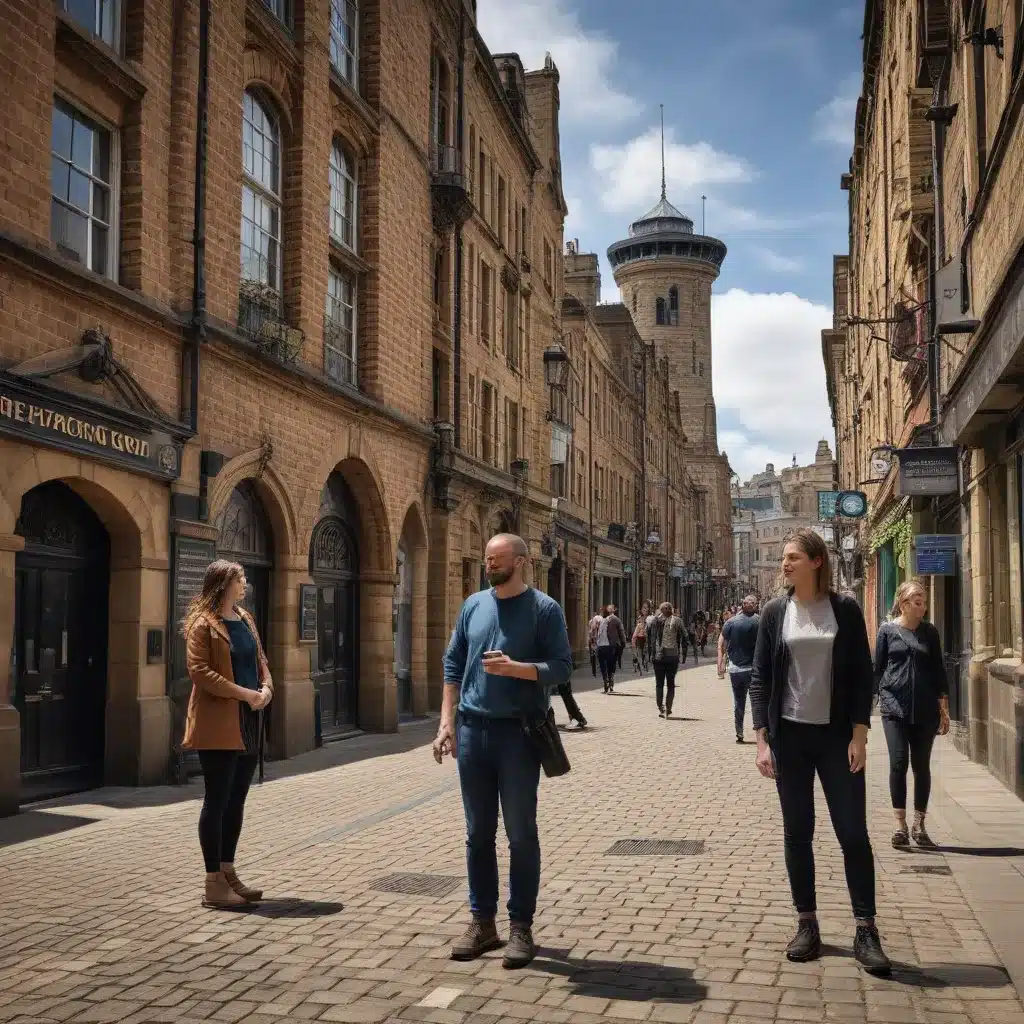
(572, 709)
(618, 657)
(593, 661)
(497, 761)
(801, 751)
(740, 685)
(227, 775)
(665, 680)
(910, 745)
(606, 659)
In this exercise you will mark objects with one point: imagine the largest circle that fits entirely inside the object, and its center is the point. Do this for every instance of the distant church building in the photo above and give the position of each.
(665, 272)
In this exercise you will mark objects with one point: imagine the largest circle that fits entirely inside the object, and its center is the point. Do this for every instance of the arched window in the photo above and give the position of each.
(659, 311)
(261, 193)
(343, 197)
(345, 39)
(673, 305)
(634, 299)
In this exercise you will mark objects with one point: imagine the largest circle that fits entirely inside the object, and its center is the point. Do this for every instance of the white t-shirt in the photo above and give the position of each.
(809, 631)
(602, 634)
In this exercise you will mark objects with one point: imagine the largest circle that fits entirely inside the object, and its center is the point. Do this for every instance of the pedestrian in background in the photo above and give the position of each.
(913, 698)
(509, 650)
(811, 691)
(736, 652)
(592, 629)
(231, 683)
(610, 635)
(667, 640)
(640, 638)
(621, 647)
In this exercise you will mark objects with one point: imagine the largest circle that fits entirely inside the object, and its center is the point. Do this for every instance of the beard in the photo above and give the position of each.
(496, 577)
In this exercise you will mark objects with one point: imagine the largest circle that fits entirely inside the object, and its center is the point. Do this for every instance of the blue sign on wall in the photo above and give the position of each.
(935, 554)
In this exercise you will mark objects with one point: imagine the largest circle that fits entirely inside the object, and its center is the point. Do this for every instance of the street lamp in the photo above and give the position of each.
(556, 367)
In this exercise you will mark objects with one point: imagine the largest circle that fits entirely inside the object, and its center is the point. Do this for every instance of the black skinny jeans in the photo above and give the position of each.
(910, 746)
(665, 682)
(801, 751)
(227, 774)
(606, 657)
(572, 709)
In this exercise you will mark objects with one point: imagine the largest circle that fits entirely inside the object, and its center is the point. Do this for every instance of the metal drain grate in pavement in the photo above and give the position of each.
(418, 885)
(656, 848)
(927, 869)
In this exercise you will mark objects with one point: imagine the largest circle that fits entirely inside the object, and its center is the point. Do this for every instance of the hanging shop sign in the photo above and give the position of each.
(827, 504)
(851, 504)
(879, 466)
(935, 554)
(719, 574)
(928, 472)
(43, 415)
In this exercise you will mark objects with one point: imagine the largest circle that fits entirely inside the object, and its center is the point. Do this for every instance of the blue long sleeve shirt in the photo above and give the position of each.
(530, 628)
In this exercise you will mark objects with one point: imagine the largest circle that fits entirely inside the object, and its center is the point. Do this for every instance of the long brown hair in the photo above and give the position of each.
(903, 593)
(219, 576)
(813, 546)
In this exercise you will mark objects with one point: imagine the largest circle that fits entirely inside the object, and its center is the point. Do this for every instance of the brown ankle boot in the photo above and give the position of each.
(247, 894)
(220, 896)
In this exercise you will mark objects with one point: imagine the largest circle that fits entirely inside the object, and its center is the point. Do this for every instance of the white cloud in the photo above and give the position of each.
(834, 122)
(776, 262)
(585, 59)
(630, 174)
(768, 377)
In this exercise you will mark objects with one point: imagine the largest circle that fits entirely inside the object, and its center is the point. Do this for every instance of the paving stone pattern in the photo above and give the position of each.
(102, 921)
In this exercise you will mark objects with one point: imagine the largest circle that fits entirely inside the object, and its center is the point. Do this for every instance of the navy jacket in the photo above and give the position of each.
(852, 671)
(910, 675)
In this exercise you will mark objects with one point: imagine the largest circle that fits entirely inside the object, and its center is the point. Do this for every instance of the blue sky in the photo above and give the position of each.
(759, 102)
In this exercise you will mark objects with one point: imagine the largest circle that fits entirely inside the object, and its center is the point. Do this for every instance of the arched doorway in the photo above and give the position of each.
(62, 580)
(244, 536)
(334, 566)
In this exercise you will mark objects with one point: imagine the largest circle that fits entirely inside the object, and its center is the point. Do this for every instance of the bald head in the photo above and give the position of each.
(504, 559)
(509, 542)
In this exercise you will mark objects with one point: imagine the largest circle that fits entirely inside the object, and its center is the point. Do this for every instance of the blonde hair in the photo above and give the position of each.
(903, 594)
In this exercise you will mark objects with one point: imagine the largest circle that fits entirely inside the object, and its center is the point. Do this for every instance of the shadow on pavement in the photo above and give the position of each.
(21, 828)
(981, 851)
(289, 907)
(620, 979)
(936, 975)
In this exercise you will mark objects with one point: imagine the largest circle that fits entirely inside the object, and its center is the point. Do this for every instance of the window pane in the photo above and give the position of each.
(58, 177)
(101, 156)
(61, 136)
(81, 145)
(78, 192)
(70, 232)
(107, 21)
(101, 203)
(84, 12)
(99, 248)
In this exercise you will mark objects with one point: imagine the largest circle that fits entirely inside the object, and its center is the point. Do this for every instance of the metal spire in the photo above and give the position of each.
(663, 192)
(703, 215)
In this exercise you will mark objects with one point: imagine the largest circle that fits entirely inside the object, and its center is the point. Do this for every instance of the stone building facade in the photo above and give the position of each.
(934, 197)
(228, 310)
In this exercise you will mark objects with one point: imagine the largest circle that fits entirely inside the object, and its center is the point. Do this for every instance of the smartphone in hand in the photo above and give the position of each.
(493, 654)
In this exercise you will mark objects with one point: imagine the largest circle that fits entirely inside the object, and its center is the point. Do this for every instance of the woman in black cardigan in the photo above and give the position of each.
(811, 691)
(913, 698)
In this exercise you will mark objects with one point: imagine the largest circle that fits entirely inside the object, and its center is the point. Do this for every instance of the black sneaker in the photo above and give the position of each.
(581, 722)
(901, 839)
(920, 836)
(806, 944)
(661, 712)
(867, 949)
(479, 938)
(739, 737)
(520, 949)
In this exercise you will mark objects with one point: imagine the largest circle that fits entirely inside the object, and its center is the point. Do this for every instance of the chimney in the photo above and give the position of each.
(582, 276)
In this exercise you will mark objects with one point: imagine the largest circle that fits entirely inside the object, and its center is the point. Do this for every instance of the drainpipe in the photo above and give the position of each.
(937, 253)
(460, 93)
(197, 325)
(590, 481)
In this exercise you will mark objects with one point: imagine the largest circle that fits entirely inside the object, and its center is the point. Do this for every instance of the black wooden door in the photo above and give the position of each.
(336, 661)
(60, 656)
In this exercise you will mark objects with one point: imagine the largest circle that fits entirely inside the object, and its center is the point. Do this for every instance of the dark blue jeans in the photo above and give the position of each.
(498, 762)
(801, 752)
(740, 686)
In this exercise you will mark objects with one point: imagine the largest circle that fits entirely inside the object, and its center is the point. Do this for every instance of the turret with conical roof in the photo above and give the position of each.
(664, 272)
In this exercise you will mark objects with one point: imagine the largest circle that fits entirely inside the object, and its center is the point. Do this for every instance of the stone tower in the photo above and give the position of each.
(665, 272)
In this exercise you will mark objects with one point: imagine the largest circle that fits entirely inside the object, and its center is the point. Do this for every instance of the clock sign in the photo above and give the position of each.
(852, 504)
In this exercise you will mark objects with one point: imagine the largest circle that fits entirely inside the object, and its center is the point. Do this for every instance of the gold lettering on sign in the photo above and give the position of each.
(72, 426)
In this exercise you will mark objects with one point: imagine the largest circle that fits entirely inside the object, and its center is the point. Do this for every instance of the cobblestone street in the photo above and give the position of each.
(100, 918)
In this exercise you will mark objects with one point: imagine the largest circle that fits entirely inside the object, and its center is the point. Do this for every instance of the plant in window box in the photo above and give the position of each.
(257, 302)
(279, 341)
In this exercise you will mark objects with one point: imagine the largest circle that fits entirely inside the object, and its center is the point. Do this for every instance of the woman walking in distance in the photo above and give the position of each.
(230, 684)
(640, 638)
(913, 698)
(667, 640)
(811, 691)
(610, 635)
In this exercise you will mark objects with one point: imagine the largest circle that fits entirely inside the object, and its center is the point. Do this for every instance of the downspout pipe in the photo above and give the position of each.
(938, 245)
(197, 325)
(460, 96)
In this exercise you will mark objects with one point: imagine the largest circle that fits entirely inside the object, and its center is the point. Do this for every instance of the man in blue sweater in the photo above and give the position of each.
(508, 653)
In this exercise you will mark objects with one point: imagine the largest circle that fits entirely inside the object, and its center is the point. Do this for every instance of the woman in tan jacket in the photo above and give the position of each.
(231, 684)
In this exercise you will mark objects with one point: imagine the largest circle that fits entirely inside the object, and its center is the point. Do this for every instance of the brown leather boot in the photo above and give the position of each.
(220, 896)
(247, 894)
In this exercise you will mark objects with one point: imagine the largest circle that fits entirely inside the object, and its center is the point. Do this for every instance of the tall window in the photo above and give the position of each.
(100, 17)
(343, 198)
(502, 210)
(340, 328)
(438, 102)
(485, 303)
(279, 8)
(261, 194)
(511, 337)
(659, 312)
(81, 207)
(487, 414)
(673, 306)
(345, 39)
